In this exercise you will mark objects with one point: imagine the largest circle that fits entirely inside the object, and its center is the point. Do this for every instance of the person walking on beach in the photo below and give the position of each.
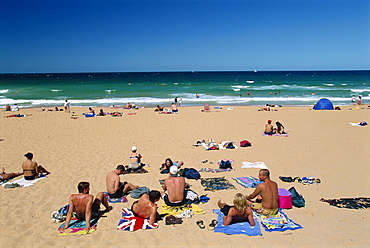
(180, 102)
(240, 212)
(175, 187)
(115, 188)
(146, 206)
(267, 195)
(84, 206)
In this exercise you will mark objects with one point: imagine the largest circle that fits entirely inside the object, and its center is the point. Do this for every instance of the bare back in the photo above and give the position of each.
(30, 168)
(82, 204)
(268, 128)
(269, 193)
(112, 182)
(144, 208)
(135, 157)
(175, 187)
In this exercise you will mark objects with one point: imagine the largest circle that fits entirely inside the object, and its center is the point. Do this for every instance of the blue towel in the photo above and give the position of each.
(237, 228)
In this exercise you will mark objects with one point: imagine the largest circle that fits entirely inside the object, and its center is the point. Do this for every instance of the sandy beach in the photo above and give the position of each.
(321, 144)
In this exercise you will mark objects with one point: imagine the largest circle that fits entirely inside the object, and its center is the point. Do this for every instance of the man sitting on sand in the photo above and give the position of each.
(175, 187)
(84, 205)
(268, 192)
(240, 212)
(115, 188)
(269, 129)
(174, 108)
(146, 206)
(6, 176)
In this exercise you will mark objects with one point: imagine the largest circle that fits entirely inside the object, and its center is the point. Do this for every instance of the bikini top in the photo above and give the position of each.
(134, 157)
(34, 171)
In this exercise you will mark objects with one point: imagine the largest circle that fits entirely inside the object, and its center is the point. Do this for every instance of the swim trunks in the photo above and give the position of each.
(175, 111)
(132, 208)
(269, 133)
(174, 204)
(118, 193)
(33, 177)
(258, 206)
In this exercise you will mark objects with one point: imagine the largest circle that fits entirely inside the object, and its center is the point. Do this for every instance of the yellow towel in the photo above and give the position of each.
(178, 210)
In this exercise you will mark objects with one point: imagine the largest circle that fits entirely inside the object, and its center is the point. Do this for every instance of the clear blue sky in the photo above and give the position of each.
(124, 36)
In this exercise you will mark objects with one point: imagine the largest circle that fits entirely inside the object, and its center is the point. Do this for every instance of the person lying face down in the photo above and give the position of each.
(240, 212)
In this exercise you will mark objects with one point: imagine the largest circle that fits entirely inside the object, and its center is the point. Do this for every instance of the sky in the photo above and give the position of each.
(131, 36)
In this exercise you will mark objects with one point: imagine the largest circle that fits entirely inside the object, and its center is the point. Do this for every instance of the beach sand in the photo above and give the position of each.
(321, 144)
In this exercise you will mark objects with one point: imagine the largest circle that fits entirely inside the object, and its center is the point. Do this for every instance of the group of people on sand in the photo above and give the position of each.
(270, 130)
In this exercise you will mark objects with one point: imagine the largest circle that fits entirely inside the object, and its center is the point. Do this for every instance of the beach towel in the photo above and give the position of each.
(130, 222)
(169, 210)
(351, 203)
(218, 183)
(276, 134)
(140, 170)
(247, 182)
(89, 115)
(362, 123)
(278, 222)
(77, 227)
(17, 115)
(236, 228)
(115, 200)
(26, 183)
(259, 165)
(214, 170)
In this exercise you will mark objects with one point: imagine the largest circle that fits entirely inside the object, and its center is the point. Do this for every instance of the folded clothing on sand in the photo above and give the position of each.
(236, 228)
(258, 165)
(130, 222)
(351, 203)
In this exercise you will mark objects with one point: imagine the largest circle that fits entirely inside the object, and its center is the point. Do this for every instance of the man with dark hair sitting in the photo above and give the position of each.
(146, 206)
(115, 188)
(84, 205)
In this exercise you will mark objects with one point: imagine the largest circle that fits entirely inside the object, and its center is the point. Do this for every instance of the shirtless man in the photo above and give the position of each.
(240, 212)
(175, 187)
(6, 176)
(83, 205)
(268, 192)
(115, 188)
(31, 169)
(174, 108)
(146, 206)
(269, 129)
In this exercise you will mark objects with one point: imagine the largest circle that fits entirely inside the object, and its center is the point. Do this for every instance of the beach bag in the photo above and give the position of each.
(192, 174)
(230, 146)
(137, 193)
(297, 199)
(245, 143)
(225, 164)
(64, 210)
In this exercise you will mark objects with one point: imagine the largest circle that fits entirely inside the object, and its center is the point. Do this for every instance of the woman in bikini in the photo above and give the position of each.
(135, 159)
(31, 170)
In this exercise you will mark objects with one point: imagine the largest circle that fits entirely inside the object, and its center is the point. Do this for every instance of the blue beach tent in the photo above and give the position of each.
(323, 103)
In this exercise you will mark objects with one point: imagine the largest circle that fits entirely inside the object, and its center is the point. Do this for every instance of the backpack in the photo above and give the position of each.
(192, 174)
(297, 199)
(245, 143)
(225, 164)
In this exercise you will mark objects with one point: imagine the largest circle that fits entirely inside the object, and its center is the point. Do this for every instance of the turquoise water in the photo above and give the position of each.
(152, 88)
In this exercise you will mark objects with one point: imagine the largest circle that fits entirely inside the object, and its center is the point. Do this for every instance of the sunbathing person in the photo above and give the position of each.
(6, 176)
(240, 212)
(269, 129)
(175, 187)
(266, 192)
(84, 206)
(135, 159)
(115, 188)
(101, 113)
(159, 108)
(31, 169)
(168, 163)
(8, 108)
(146, 206)
(280, 128)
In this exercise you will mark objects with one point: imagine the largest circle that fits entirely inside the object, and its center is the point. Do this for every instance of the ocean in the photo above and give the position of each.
(147, 89)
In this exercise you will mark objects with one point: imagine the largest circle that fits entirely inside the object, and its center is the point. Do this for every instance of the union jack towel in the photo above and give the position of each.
(130, 222)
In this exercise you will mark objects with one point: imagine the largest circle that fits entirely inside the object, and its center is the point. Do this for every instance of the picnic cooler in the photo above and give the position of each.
(285, 198)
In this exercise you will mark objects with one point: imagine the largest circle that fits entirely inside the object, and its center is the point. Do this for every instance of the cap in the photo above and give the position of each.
(133, 148)
(269, 121)
(173, 170)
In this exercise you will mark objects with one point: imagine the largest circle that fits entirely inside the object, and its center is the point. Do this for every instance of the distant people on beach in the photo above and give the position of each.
(101, 113)
(15, 107)
(135, 159)
(269, 129)
(266, 195)
(159, 108)
(83, 205)
(115, 188)
(174, 193)
(239, 212)
(353, 99)
(359, 100)
(128, 106)
(146, 206)
(175, 100)
(279, 128)
(91, 110)
(165, 168)
(180, 102)
(8, 108)
(6, 176)
(30, 168)
(174, 108)
(67, 106)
